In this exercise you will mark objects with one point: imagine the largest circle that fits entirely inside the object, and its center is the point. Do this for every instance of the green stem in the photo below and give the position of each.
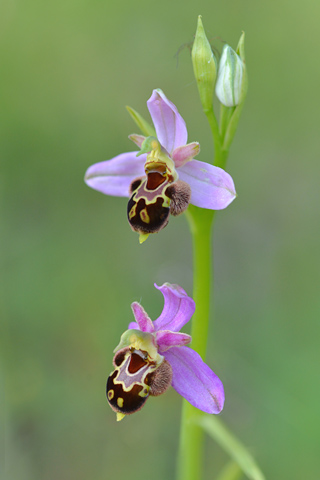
(221, 162)
(215, 132)
(200, 221)
(232, 127)
(220, 152)
(225, 114)
(191, 435)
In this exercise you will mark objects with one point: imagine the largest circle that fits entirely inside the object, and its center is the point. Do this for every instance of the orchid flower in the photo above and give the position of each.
(163, 178)
(151, 356)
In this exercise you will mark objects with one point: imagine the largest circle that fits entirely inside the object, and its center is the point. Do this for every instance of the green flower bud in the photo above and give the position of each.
(229, 82)
(240, 52)
(204, 66)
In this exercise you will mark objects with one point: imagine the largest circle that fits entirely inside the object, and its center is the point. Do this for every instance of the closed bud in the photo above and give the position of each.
(204, 66)
(230, 76)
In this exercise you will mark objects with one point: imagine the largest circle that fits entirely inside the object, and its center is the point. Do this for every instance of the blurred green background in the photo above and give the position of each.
(71, 265)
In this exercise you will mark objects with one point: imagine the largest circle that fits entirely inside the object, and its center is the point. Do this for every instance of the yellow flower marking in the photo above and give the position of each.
(133, 211)
(111, 394)
(143, 215)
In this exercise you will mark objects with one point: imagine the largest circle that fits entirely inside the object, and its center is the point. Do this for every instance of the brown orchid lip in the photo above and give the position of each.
(134, 379)
(154, 180)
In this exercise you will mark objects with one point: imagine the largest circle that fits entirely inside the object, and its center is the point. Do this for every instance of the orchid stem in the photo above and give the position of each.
(200, 221)
(215, 131)
(220, 150)
(191, 436)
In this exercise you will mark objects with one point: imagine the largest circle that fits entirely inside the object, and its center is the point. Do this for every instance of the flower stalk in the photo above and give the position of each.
(200, 223)
(191, 435)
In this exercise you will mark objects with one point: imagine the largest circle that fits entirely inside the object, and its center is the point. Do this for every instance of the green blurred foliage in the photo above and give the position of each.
(71, 265)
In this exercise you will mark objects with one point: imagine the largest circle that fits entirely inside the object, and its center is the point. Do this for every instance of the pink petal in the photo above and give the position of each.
(178, 308)
(166, 339)
(137, 139)
(142, 318)
(184, 154)
(113, 177)
(194, 380)
(133, 326)
(211, 187)
(170, 127)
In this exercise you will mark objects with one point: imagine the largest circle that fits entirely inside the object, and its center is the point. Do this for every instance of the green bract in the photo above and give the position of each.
(204, 66)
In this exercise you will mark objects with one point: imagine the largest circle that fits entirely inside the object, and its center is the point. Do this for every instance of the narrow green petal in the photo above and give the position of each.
(241, 53)
(144, 126)
(237, 451)
(240, 47)
(231, 471)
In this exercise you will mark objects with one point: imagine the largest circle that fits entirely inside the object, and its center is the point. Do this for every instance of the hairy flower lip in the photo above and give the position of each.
(192, 377)
(211, 187)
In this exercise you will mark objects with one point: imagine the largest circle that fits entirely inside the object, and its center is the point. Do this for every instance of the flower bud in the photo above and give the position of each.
(229, 82)
(204, 66)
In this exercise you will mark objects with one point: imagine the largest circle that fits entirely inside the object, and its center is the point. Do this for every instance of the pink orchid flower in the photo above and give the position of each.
(163, 178)
(152, 356)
